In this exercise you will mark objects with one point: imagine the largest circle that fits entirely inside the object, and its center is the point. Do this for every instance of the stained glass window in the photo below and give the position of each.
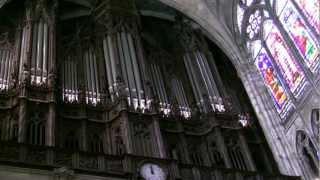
(311, 9)
(289, 67)
(284, 71)
(272, 81)
(303, 39)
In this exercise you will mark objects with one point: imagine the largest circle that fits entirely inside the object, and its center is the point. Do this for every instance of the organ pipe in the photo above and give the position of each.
(34, 52)
(5, 68)
(122, 63)
(45, 51)
(107, 59)
(157, 81)
(2, 59)
(194, 82)
(39, 49)
(179, 93)
(206, 65)
(200, 75)
(135, 68)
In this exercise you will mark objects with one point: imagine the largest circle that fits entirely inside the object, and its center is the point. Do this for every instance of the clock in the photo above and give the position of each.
(151, 171)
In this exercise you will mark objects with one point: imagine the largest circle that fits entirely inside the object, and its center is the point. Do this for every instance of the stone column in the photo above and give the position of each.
(246, 152)
(161, 153)
(126, 132)
(184, 148)
(83, 138)
(50, 126)
(222, 148)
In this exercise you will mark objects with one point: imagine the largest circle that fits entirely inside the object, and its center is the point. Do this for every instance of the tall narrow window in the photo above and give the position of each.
(273, 82)
(289, 67)
(303, 39)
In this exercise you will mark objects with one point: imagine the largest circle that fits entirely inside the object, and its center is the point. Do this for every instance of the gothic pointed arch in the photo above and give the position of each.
(307, 152)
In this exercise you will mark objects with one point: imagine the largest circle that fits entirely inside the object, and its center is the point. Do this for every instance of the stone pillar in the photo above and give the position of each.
(50, 126)
(126, 132)
(246, 152)
(24, 73)
(222, 148)
(22, 120)
(83, 138)
(205, 155)
(184, 148)
(160, 150)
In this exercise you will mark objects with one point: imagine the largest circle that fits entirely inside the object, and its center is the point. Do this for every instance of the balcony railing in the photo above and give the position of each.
(126, 165)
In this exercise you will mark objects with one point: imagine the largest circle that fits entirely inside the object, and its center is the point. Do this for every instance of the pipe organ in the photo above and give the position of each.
(159, 89)
(110, 99)
(6, 63)
(205, 89)
(69, 79)
(93, 90)
(40, 47)
(181, 98)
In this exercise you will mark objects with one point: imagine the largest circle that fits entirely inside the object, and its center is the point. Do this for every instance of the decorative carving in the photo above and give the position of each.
(36, 156)
(88, 162)
(63, 158)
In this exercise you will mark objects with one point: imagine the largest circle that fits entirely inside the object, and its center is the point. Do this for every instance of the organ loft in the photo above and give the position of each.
(121, 89)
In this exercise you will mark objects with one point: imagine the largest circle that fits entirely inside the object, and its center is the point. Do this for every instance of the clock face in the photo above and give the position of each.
(150, 171)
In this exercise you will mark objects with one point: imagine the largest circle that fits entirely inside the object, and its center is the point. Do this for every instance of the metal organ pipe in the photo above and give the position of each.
(39, 50)
(96, 77)
(132, 86)
(107, 60)
(161, 83)
(63, 81)
(194, 84)
(6, 68)
(45, 52)
(205, 77)
(91, 75)
(8, 78)
(123, 65)
(2, 57)
(209, 73)
(87, 71)
(22, 49)
(34, 52)
(155, 83)
(112, 59)
(135, 69)
(76, 81)
(183, 95)
(72, 92)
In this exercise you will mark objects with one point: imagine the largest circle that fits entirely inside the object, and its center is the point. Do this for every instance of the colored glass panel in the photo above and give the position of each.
(272, 80)
(311, 9)
(289, 67)
(302, 38)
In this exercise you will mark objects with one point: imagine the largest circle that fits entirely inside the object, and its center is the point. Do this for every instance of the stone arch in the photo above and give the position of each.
(212, 27)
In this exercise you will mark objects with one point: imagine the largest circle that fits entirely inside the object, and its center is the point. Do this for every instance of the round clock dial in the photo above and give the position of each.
(150, 171)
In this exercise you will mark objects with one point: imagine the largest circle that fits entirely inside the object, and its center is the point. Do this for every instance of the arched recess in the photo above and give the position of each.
(307, 152)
